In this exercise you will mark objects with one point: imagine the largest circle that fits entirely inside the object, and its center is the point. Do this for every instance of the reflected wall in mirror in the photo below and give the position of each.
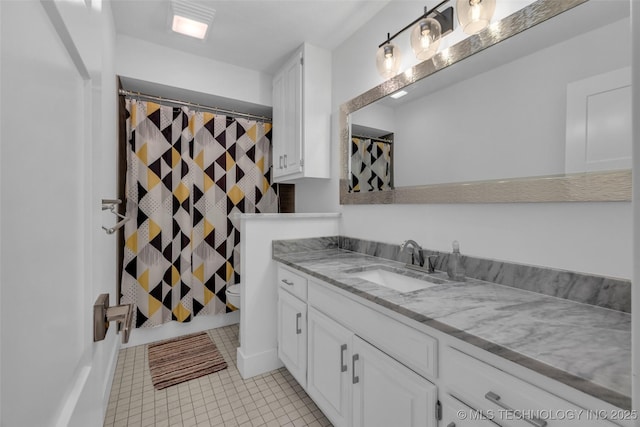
(544, 115)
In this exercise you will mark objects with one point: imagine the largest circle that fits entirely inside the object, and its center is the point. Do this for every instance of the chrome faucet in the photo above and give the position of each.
(414, 248)
(416, 255)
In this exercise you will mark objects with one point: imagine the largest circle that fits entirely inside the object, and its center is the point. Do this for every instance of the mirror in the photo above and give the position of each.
(528, 120)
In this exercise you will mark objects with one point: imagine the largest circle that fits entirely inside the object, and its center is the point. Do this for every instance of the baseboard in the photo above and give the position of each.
(111, 371)
(257, 364)
(140, 336)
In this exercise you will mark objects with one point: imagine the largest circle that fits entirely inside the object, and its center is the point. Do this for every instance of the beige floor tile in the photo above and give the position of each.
(220, 399)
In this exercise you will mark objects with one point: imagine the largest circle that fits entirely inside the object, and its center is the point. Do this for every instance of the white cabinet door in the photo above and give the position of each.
(386, 393)
(329, 369)
(287, 120)
(292, 335)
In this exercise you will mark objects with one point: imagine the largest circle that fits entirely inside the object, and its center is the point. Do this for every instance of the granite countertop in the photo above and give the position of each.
(584, 346)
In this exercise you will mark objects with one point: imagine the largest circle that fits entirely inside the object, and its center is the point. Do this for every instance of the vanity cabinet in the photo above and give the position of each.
(292, 324)
(354, 382)
(301, 115)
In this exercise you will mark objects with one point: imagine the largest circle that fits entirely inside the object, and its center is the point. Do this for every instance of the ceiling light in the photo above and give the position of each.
(189, 27)
(191, 18)
(427, 31)
(398, 94)
(475, 15)
(388, 60)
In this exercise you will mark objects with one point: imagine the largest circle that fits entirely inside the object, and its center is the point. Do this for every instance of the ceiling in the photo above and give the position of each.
(257, 35)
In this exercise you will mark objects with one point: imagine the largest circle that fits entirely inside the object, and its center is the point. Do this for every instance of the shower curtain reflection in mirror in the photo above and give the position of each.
(371, 166)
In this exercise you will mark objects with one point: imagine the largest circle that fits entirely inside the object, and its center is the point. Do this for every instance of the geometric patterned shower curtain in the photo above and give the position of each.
(187, 173)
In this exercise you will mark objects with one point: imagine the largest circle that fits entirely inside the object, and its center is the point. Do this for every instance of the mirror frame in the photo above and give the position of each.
(610, 186)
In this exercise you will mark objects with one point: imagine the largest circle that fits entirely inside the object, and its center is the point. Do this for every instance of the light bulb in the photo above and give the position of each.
(475, 15)
(425, 38)
(388, 60)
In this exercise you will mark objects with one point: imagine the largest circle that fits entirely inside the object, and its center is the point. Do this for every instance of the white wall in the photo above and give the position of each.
(258, 351)
(518, 110)
(58, 160)
(150, 62)
(586, 237)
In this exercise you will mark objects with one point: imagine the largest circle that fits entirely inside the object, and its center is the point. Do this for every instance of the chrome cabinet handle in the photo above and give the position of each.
(285, 161)
(280, 160)
(286, 282)
(298, 317)
(494, 398)
(343, 349)
(354, 378)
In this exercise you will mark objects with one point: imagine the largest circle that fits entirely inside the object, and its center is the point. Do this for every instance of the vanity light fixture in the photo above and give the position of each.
(190, 18)
(427, 32)
(475, 15)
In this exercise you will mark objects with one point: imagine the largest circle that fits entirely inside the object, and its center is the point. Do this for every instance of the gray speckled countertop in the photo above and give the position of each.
(583, 346)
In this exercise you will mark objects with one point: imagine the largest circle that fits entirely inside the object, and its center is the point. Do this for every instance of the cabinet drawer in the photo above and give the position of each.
(457, 414)
(409, 346)
(492, 391)
(292, 282)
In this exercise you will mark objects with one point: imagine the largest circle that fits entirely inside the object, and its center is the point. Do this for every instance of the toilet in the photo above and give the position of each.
(233, 296)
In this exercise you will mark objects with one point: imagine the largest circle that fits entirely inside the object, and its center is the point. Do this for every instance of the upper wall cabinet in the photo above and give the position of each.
(301, 114)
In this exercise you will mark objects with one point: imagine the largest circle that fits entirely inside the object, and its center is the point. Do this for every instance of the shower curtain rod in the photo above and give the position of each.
(388, 141)
(191, 104)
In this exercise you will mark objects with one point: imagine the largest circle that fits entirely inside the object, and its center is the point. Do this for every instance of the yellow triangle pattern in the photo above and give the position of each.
(152, 179)
(192, 125)
(265, 185)
(208, 296)
(134, 109)
(142, 153)
(152, 107)
(181, 313)
(208, 117)
(175, 275)
(208, 227)
(132, 242)
(144, 280)
(154, 305)
(235, 194)
(208, 183)
(229, 271)
(230, 162)
(181, 192)
(154, 229)
(198, 273)
(267, 127)
(252, 133)
(175, 157)
(199, 160)
(260, 164)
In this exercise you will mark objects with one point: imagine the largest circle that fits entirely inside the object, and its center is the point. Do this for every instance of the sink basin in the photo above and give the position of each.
(389, 277)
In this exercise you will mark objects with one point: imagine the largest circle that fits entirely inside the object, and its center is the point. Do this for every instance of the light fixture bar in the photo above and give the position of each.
(445, 19)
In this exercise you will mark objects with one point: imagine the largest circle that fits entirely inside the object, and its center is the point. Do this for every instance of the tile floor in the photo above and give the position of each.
(219, 399)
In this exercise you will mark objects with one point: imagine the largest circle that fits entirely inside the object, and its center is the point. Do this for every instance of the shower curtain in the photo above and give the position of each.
(187, 173)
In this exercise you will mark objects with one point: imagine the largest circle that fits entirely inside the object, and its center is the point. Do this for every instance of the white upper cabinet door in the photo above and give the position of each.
(301, 113)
